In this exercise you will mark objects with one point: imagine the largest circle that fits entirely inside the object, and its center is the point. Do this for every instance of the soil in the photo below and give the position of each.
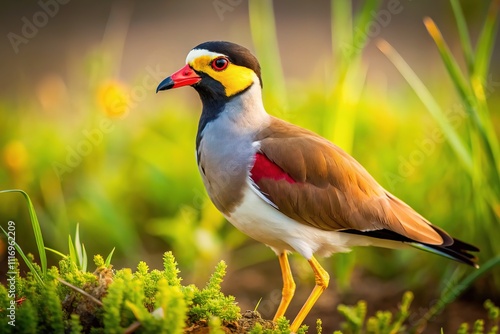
(261, 285)
(247, 321)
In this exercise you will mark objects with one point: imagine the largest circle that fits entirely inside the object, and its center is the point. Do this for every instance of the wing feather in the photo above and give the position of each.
(332, 191)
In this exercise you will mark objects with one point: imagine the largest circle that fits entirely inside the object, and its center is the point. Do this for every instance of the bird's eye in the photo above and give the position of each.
(220, 63)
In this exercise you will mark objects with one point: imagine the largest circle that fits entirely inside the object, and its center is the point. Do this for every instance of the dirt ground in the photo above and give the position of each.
(248, 321)
(264, 281)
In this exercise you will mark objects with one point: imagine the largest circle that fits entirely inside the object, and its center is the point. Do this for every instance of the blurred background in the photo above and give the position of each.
(84, 134)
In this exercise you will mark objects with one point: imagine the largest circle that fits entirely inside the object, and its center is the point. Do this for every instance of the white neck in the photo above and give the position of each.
(247, 110)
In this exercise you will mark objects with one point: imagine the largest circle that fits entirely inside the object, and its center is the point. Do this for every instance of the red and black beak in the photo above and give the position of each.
(186, 76)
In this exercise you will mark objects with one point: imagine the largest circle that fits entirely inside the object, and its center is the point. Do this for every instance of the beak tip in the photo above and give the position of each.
(165, 84)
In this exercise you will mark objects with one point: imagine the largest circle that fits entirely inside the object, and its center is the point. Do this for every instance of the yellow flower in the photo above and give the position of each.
(15, 156)
(113, 98)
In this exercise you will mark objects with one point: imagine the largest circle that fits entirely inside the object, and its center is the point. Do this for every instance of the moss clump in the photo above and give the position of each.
(74, 301)
(211, 302)
(383, 322)
(480, 326)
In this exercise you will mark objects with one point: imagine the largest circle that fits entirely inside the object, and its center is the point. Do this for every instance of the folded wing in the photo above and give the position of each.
(315, 183)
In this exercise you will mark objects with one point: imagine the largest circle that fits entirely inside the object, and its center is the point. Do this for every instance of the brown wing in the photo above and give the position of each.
(332, 190)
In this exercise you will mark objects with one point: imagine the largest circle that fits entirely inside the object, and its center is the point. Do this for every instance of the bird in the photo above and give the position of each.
(286, 186)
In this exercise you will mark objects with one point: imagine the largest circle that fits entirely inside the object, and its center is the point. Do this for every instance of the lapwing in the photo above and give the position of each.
(286, 186)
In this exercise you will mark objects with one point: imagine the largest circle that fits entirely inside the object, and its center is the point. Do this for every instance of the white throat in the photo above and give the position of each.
(246, 110)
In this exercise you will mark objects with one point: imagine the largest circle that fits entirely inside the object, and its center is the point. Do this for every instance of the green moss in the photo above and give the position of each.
(155, 301)
(383, 322)
(75, 327)
(5, 302)
(111, 307)
(214, 326)
(211, 302)
(171, 271)
(172, 301)
(26, 318)
(481, 326)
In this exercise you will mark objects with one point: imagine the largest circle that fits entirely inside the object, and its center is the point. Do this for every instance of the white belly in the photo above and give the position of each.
(264, 223)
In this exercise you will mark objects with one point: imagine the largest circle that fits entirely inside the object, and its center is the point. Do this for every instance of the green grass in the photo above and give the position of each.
(38, 274)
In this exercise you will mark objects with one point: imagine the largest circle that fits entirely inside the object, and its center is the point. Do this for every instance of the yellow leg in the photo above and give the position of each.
(288, 286)
(322, 279)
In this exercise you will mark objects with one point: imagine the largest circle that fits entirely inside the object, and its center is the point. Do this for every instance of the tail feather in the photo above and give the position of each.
(452, 252)
(454, 249)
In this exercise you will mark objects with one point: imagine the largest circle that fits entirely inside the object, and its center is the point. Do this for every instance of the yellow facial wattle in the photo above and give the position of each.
(234, 78)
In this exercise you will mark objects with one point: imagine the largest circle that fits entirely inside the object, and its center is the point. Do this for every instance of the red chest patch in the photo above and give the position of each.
(265, 168)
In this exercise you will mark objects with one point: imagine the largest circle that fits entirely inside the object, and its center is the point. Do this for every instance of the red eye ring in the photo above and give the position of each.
(220, 63)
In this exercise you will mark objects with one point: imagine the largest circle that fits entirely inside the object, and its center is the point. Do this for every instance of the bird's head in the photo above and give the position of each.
(217, 70)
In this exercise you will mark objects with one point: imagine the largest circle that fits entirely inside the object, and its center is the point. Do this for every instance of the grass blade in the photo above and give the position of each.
(56, 252)
(472, 92)
(348, 42)
(81, 291)
(479, 78)
(84, 259)
(341, 26)
(430, 103)
(349, 35)
(27, 261)
(451, 294)
(263, 30)
(362, 22)
(72, 251)
(484, 47)
(467, 93)
(463, 34)
(108, 259)
(78, 247)
(36, 229)
(458, 79)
